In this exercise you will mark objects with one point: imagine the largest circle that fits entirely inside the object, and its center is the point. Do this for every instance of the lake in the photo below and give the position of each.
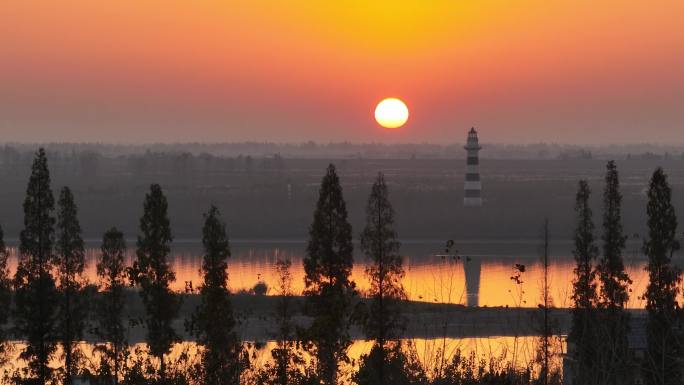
(478, 273)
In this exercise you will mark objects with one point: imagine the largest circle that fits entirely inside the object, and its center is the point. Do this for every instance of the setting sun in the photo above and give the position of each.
(391, 113)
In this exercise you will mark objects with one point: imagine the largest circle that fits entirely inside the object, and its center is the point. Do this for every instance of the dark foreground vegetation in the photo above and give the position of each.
(49, 306)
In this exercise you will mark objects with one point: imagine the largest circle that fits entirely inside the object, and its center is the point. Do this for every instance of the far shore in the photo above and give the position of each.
(526, 248)
(424, 320)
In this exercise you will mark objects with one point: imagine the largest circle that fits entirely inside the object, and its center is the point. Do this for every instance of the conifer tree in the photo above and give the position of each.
(328, 289)
(662, 363)
(109, 311)
(5, 297)
(35, 292)
(381, 247)
(213, 321)
(70, 263)
(152, 273)
(614, 320)
(584, 296)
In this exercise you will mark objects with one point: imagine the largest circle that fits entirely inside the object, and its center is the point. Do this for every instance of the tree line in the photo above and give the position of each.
(599, 344)
(48, 300)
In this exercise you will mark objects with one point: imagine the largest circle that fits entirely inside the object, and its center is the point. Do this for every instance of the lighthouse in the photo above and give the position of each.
(472, 187)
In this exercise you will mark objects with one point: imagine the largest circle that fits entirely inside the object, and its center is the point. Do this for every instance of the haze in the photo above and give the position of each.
(178, 71)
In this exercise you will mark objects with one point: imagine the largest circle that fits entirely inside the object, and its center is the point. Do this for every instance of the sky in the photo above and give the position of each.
(521, 71)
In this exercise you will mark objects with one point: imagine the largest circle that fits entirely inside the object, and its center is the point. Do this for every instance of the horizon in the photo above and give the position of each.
(340, 142)
(9, 152)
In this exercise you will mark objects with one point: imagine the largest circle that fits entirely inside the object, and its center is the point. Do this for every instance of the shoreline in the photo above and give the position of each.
(424, 320)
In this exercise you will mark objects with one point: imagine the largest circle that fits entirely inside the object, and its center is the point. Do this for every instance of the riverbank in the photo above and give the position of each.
(424, 320)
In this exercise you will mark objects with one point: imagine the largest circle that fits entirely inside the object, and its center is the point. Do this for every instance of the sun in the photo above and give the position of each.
(391, 113)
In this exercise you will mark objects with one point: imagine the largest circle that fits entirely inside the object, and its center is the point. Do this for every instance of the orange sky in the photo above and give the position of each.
(522, 71)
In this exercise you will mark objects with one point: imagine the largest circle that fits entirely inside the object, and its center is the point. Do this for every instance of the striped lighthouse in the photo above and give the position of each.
(472, 187)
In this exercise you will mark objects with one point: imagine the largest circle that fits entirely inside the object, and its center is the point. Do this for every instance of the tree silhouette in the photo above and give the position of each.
(662, 364)
(328, 289)
(35, 293)
(379, 244)
(544, 349)
(152, 272)
(5, 297)
(109, 310)
(70, 264)
(582, 333)
(288, 367)
(614, 320)
(283, 355)
(544, 324)
(213, 322)
(398, 368)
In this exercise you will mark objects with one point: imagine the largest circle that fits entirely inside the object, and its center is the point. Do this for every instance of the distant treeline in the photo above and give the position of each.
(269, 197)
(345, 150)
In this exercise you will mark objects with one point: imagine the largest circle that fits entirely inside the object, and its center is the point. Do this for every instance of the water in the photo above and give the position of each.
(479, 276)
(518, 350)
